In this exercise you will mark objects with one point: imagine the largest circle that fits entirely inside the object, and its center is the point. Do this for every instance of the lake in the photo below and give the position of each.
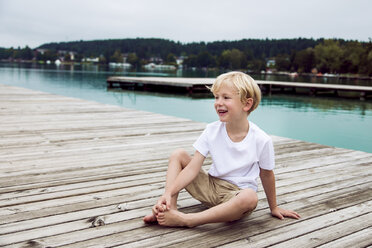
(329, 121)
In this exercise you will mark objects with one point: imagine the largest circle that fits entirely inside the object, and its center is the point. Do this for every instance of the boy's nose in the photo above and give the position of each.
(218, 102)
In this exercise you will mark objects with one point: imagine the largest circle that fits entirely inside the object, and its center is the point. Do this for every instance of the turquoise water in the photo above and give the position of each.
(329, 121)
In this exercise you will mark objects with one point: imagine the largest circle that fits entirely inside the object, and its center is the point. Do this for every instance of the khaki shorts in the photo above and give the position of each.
(211, 191)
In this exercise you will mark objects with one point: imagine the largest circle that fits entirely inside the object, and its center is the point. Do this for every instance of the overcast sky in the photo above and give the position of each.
(34, 22)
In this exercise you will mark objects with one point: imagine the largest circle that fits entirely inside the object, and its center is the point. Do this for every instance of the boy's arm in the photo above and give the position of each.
(268, 183)
(184, 178)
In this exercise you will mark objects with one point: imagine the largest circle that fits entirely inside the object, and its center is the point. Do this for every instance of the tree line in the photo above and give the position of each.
(296, 55)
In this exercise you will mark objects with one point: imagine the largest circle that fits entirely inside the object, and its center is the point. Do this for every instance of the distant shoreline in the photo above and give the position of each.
(279, 73)
(326, 75)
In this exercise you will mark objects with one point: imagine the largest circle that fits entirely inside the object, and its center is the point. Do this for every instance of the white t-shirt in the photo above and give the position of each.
(237, 162)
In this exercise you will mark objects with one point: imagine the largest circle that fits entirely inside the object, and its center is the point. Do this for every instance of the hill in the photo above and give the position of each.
(146, 48)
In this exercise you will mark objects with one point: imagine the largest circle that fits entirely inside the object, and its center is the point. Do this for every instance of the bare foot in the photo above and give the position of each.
(172, 218)
(151, 218)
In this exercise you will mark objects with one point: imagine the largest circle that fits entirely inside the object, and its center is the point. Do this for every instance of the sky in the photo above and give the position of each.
(35, 22)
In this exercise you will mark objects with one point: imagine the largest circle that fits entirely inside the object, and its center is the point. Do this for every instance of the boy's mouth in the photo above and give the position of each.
(221, 111)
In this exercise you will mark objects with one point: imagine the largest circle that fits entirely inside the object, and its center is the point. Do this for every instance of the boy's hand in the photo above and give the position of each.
(164, 202)
(281, 213)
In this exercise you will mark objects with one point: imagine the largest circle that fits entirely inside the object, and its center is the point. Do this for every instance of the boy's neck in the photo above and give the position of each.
(237, 130)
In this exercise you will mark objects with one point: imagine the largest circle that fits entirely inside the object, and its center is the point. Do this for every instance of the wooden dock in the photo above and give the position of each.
(197, 85)
(75, 173)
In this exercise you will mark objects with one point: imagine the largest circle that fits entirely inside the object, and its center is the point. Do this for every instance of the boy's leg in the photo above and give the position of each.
(177, 161)
(234, 209)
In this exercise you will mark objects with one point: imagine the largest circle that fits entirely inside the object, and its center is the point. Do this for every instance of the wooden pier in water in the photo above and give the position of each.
(198, 85)
(76, 173)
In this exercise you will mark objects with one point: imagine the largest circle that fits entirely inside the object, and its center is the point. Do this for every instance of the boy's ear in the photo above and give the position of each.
(248, 104)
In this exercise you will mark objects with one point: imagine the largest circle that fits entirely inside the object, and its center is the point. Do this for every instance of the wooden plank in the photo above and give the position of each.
(279, 170)
(315, 178)
(74, 214)
(356, 230)
(207, 235)
(348, 223)
(139, 214)
(357, 239)
(316, 174)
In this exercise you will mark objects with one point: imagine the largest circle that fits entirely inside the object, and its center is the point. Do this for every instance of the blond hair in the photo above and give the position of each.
(245, 85)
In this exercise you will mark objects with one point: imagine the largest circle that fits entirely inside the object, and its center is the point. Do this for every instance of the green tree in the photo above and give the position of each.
(133, 59)
(328, 56)
(78, 57)
(191, 61)
(283, 62)
(26, 53)
(50, 55)
(205, 59)
(67, 57)
(351, 57)
(239, 59)
(304, 60)
(5, 53)
(102, 59)
(224, 60)
(17, 53)
(171, 59)
(256, 65)
(232, 59)
(365, 66)
(117, 57)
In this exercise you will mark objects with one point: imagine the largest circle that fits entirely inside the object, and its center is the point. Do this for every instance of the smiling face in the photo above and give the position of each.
(228, 104)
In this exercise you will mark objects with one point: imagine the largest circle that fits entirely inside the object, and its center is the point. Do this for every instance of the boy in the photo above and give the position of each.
(240, 151)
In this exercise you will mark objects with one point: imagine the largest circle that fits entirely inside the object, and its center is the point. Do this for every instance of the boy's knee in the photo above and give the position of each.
(247, 200)
(180, 155)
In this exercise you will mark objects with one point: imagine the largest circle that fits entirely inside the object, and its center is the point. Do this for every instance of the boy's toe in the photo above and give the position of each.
(149, 218)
